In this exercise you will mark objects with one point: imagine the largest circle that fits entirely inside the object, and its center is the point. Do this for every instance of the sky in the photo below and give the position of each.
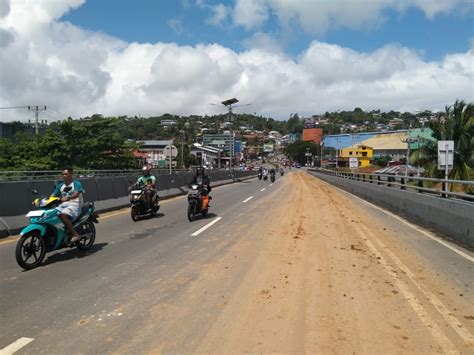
(150, 57)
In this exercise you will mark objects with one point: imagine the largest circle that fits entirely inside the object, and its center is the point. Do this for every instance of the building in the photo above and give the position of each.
(8, 130)
(274, 135)
(168, 123)
(209, 157)
(313, 135)
(393, 144)
(223, 142)
(389, 144)
(154, 150)
(362, 152)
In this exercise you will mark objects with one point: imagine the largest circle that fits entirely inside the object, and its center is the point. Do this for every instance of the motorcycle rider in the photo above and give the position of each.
(203, 181)
(272, 173)
(147, 181)
(70, 194)
(260, 172)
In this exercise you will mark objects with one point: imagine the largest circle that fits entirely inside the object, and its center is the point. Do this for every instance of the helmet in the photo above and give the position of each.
(146, 169)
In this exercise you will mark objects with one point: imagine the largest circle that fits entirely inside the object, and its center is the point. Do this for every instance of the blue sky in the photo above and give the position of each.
(148, 21)
(149, 57)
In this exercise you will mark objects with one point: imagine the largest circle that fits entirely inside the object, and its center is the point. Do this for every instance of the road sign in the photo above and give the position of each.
(445, 155)
(353, 163)
(172, 149)
(268, 148)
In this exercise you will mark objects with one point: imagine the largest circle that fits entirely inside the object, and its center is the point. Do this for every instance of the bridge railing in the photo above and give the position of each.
(11, 175)
(440, 187)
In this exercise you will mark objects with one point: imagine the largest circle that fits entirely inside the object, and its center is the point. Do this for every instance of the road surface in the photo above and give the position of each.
(297, 266)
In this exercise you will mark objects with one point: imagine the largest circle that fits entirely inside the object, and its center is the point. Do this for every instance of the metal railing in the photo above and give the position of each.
(412, 183)
(56, 174)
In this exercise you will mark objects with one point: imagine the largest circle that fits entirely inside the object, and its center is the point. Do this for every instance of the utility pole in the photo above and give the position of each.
(37, 110)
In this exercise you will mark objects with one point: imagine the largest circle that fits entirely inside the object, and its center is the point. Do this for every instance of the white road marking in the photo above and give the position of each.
(263, 189)
(248, 199)
(435, 301)
(205, 227)
(409, 297)
(418, 229)
(15, 346)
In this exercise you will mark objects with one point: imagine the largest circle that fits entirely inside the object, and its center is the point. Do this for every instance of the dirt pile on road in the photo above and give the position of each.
(325, 281)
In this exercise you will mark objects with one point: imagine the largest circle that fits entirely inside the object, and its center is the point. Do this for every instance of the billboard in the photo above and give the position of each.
(313, 135)
(268, 148)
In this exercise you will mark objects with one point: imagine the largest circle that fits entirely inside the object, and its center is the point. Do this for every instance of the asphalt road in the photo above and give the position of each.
(114, 297)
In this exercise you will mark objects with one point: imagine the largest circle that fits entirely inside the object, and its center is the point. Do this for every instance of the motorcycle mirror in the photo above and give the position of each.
(34, 192)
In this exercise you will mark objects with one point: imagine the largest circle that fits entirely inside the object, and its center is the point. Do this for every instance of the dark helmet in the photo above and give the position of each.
(146, 169)
(200, 169)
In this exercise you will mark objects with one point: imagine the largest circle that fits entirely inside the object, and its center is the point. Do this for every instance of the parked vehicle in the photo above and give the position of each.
(198, 201)
(46, 232)
(139, 204)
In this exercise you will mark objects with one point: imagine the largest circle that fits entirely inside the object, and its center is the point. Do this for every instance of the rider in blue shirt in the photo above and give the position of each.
(70, 194)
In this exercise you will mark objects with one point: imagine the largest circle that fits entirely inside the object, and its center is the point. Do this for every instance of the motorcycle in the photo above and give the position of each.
(139, 203)
(265, 177)
(198, 203)
(281, 172)
(272, 178)
(46, 232)
(260, 176)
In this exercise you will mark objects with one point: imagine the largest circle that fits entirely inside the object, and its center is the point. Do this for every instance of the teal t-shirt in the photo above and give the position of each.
(142, 180)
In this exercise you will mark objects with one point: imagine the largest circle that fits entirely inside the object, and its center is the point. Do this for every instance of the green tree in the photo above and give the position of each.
(297, 150)
(457, 124)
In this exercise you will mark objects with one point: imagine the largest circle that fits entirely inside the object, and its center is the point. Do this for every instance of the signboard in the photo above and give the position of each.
(237, 147)
(218, 143)
(170, 149)
(268, 148)
(445, 155)
(353, 163)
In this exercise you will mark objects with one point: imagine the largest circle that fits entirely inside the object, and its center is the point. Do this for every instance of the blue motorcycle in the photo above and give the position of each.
(46, 232)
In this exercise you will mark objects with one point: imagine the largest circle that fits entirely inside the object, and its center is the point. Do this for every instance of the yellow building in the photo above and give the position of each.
(362, 152)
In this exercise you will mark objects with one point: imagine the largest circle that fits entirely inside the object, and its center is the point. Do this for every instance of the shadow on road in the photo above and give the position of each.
(73, 254)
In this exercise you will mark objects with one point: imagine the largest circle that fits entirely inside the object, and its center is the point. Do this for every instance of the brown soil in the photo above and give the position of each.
(323, 284)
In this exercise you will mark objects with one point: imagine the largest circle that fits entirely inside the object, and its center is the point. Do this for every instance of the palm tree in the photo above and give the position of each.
(456, 124)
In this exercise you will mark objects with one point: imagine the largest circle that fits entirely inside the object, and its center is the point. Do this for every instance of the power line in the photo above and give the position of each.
(13, 107)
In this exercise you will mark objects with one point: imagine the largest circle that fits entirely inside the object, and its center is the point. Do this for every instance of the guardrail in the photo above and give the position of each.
(402, 182)
(56, 174)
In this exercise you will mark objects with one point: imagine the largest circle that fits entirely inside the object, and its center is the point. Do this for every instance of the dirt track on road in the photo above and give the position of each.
(330, 280)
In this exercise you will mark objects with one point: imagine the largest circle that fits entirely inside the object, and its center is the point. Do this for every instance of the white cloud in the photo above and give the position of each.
(250, 13)
(322, 15)
(221, 12)
(176, 25)
(263, 41)
(78, 72)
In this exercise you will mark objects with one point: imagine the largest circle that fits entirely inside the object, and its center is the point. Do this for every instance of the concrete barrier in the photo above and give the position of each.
(108, 193)
(451, 218)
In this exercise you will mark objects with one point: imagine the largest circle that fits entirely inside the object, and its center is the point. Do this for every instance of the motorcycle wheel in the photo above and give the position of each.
(85, 244)
(191, 212)
(135, 213)
(155, 209)
(31, 245)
